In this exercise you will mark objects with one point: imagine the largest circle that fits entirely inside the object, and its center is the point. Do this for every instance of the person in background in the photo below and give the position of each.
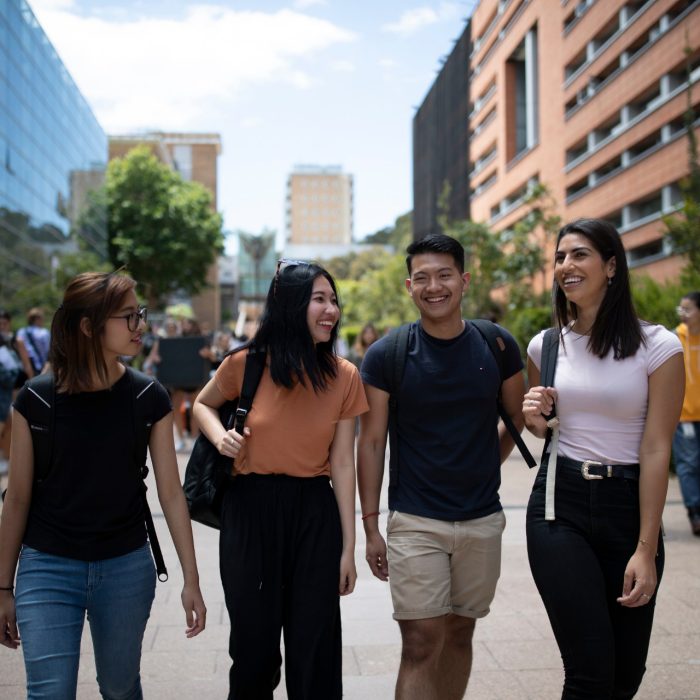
(594, 536)
(686, 440)
(288, 518)
(365, 338)
(76, 539)
(35, 339)
(10, 367)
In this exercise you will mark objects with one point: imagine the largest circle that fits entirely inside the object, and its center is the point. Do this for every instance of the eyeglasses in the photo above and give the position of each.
(134, 318)
(682, 311)
(283, 264)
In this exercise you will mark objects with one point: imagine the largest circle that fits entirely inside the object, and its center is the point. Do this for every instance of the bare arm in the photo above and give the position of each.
(370, 473)
(342, 460)
(666, 388)
(205, 410)
(14, 522)
(512, 391)
(172, 500)
(27, 365)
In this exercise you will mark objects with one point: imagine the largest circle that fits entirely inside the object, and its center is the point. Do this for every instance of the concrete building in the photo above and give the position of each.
(53, 152)
(319, 206)
(586, 97)
(195, 157)
(441, 142)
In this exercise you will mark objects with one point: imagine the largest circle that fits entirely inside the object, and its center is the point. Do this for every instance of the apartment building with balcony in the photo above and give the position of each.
(588, 98)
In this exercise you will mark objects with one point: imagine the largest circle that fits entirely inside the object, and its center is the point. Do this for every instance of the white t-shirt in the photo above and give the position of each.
(602, 404)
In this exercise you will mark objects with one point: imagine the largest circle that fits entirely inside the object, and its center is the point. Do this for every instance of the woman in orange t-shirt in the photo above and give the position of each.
(288, 518)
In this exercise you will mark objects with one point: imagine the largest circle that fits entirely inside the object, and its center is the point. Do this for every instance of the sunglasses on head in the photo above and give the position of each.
(283, 264)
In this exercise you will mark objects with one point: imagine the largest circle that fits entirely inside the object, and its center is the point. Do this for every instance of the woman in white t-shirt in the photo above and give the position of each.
(594, 541)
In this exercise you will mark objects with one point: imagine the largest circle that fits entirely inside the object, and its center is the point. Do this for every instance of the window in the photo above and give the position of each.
(522, 128)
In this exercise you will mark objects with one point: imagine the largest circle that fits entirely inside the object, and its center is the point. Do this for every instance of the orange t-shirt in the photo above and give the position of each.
(291, 430)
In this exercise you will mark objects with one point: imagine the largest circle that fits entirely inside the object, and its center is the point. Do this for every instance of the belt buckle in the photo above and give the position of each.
(585, 467)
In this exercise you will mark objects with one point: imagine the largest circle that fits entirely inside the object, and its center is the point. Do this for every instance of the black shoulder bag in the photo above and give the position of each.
(207, 469)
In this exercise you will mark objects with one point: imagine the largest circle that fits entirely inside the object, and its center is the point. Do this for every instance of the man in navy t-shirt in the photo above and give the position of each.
(443, 547)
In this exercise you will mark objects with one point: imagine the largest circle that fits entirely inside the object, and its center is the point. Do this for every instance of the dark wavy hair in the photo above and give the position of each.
(694, 297)
(616, 325)
(436, 243)
(284, 331)
(74, 356)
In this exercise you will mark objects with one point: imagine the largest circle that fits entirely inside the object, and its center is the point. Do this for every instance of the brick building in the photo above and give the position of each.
(195, 157)
(586, 97)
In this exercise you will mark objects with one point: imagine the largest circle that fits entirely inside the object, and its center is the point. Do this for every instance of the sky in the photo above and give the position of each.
(285, 82)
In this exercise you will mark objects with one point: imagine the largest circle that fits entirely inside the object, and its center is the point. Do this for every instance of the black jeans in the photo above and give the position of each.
(578, 563)
(279, 552)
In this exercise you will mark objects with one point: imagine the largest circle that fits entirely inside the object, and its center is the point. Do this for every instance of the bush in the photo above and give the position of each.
(526, 323)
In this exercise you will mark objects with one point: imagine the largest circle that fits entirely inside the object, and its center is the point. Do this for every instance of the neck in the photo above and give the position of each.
(585, 320)
(693, 328)
(449, 328)
(115, 371)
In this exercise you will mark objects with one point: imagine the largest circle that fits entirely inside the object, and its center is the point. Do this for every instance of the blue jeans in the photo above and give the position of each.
(686, 452)
(52, 596)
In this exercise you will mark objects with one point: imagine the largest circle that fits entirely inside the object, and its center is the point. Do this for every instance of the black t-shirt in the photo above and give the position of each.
(89, 506)
(447, 418)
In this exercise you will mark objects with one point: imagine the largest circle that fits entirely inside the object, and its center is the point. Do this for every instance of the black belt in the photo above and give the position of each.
(591, 469)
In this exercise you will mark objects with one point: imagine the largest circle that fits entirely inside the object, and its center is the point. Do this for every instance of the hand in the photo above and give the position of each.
(232, 442)
(639, 583)
(9, 636)
(538, 403)
(348, 573)
(376, 556)
(195, 610)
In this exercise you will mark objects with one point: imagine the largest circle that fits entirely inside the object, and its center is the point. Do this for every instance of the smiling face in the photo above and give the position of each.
(581, 272)
(436, 286)
(117, 339)
(323, 312)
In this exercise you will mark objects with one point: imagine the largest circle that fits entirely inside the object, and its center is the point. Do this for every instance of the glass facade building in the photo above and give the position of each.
(53, 153)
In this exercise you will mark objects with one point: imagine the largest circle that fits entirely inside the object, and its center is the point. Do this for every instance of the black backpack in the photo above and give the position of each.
(395, 362)
(41, 419)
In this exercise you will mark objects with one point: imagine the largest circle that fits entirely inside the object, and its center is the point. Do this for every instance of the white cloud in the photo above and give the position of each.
(174, 72)
(343, 66)
(305, 4)
(412, 21)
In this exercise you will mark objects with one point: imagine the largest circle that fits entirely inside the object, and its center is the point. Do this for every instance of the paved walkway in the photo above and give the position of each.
(515, 656)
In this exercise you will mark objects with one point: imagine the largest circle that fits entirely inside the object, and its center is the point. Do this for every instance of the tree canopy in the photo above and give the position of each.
(161, 227)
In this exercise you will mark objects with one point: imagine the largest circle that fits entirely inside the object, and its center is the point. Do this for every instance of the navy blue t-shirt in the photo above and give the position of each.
(447, 423)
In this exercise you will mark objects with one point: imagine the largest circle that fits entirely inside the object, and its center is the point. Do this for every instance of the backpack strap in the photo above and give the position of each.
(491, 334)
(143, 396)
(548, 368)
(252, 374)
(39, 355)
(395, 355)
(41, 419)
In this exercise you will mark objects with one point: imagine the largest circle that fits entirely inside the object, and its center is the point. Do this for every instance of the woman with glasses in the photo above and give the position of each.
(594, 515)
(288, 517)
(73, 525)
(686, 441)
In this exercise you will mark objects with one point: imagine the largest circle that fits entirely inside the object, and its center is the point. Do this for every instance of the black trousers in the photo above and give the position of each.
(280, 548)
(578, 563)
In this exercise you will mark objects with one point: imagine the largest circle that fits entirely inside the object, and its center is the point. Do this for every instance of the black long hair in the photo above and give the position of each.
(616, 324)
(284, 331)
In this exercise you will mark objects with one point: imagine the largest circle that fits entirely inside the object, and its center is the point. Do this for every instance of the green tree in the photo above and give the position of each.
(162, 228)
(684, 230)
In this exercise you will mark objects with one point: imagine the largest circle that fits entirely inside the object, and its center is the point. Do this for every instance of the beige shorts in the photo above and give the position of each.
(438, 567)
